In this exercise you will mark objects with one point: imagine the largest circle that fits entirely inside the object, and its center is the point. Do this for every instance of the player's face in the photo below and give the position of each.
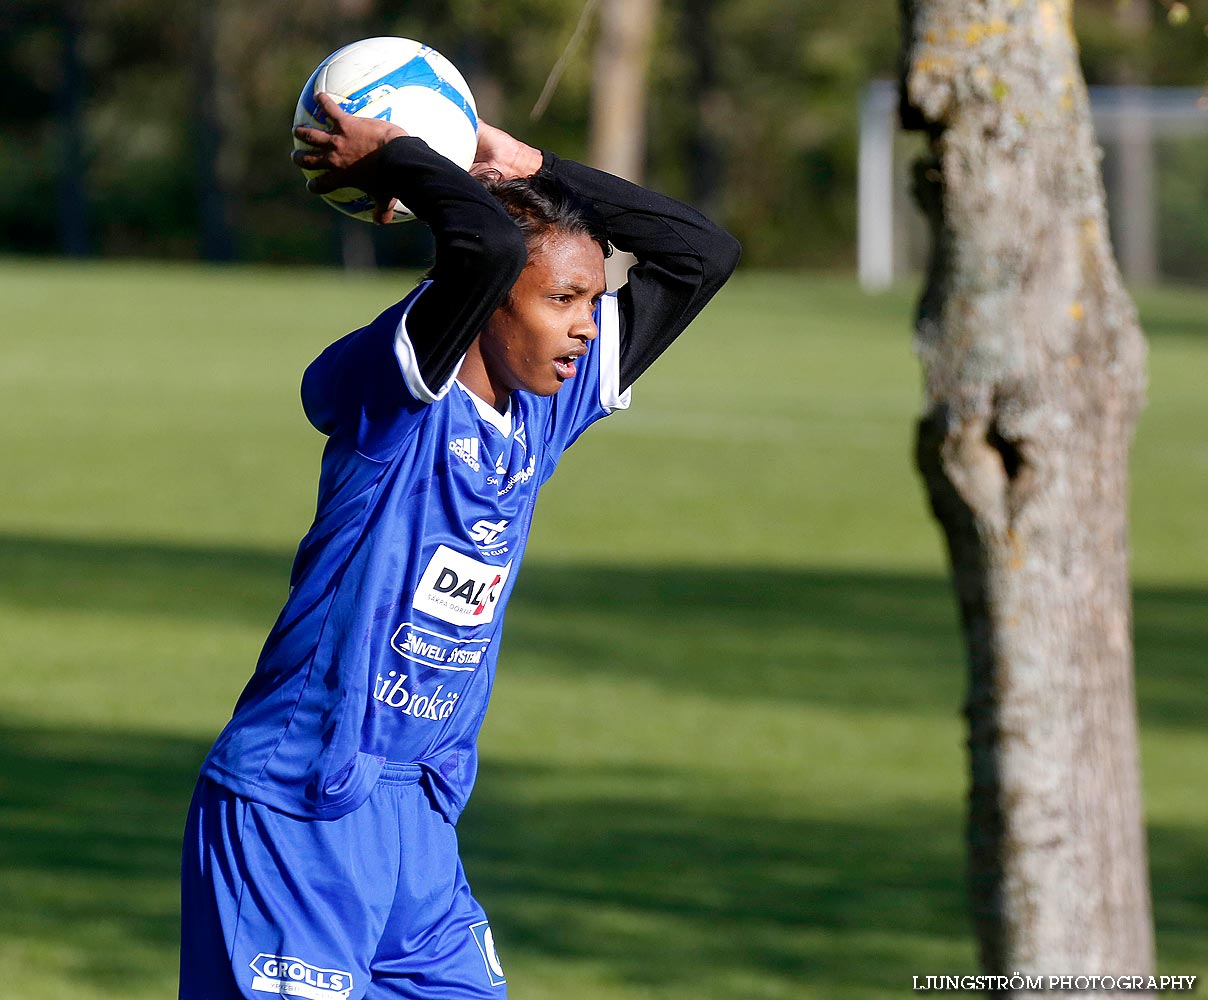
(532, 340)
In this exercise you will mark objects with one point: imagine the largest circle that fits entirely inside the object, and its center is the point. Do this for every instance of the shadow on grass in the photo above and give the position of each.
(1165, 314)
(90, 828)
(229, 584)
(661, 890)
(670, 889)
(644, 873)
(654, 876)
(863, 640)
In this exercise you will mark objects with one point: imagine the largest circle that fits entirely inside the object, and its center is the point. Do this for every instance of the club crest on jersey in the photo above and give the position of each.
(460, 590)
(467, 450)
(283, 975)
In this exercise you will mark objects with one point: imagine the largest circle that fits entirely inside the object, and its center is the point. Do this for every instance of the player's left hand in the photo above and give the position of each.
(501, 155)
(348, 153)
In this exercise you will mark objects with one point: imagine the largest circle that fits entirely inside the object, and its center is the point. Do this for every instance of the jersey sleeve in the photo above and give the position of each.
(480, 253)
(596, 389)
(374, 382)
(369, 384)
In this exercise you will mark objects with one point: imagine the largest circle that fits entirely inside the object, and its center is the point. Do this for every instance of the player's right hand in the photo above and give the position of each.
(348, 154)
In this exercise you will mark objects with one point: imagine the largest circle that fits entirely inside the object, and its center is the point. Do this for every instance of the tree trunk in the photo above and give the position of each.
(706, 159)
(219, 133)
(620, 72)
(73, 166)
(1134, 230)
(1034, 375)
(618, 94)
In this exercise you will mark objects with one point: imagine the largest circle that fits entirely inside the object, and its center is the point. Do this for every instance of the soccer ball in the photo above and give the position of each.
(404, 82)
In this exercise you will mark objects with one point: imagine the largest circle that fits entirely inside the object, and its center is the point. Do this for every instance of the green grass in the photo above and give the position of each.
(725, 755)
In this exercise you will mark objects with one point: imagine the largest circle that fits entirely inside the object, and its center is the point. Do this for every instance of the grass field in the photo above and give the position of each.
(725, 755)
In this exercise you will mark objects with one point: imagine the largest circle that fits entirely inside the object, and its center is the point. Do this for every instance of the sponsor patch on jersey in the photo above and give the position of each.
(441, 652)
(460, 590)
(490, 957)
(286, 976)
(518, 478)
(433, 705)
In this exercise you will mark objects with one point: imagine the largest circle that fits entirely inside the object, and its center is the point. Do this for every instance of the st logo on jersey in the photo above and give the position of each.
(460, 590)
(486, 532)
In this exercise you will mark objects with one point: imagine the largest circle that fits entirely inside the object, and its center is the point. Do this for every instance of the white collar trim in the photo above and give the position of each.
(502, 422)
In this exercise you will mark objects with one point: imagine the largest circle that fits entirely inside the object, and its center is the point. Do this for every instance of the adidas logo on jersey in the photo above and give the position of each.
(467, 450)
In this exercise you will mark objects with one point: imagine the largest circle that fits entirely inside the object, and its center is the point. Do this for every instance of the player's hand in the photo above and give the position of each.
(501, 155)
(349, 154)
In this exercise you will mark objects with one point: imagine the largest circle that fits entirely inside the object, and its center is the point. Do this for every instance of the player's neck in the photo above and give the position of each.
(475, 376)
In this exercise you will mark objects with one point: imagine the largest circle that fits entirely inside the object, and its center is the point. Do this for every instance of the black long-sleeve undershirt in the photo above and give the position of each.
(683, 258)
(479, 253)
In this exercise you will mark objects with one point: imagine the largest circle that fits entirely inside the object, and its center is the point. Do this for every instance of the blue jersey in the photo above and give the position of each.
(386, 647)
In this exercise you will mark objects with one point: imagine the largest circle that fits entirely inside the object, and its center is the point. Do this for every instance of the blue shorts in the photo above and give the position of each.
(374, 904)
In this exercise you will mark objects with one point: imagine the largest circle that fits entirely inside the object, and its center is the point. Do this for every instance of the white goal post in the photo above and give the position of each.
(1130, 122)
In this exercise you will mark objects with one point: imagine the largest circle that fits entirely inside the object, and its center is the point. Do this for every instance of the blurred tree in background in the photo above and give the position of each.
(162, 129)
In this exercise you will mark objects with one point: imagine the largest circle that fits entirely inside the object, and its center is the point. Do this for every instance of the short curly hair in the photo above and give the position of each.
(542, 205)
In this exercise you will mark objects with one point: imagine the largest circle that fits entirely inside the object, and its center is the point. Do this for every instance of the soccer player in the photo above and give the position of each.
(320, 856)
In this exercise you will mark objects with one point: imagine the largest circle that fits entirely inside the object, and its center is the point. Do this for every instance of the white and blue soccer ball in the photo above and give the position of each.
(404, 82)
